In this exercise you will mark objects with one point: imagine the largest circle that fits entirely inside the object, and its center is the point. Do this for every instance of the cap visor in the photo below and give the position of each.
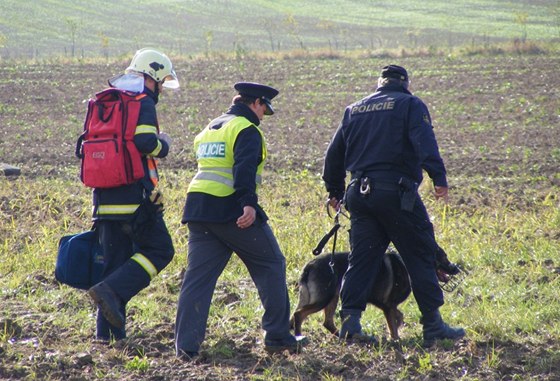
(269, 108)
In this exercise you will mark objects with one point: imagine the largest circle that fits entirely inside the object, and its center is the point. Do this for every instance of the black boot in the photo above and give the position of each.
(436, 329)
(109, 303)
(351, 329)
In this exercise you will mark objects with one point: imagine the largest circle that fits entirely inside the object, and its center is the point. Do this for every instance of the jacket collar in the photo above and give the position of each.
(151, 94)
(393, 87)
(240, 109)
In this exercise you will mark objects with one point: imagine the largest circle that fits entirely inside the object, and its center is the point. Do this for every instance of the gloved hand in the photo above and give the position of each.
(156, 198)
(166, 138)
(444, 265)
(449, 274)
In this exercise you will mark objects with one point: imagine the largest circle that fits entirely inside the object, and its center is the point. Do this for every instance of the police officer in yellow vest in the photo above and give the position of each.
(223, 217)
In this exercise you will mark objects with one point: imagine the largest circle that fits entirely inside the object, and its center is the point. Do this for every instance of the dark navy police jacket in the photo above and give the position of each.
(388, 133)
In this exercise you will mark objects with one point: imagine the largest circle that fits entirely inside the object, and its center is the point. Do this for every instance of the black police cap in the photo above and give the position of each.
(394, 71)
(258, 91)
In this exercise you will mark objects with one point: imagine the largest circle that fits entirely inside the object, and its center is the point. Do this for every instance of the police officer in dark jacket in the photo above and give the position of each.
(135, 240)
(223, 217)
(385, 141)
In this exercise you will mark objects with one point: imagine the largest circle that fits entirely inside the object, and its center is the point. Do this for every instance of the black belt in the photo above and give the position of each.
(385, 186)
(379, 185)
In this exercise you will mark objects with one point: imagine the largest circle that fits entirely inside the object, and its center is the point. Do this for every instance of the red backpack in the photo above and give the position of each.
(106, 147)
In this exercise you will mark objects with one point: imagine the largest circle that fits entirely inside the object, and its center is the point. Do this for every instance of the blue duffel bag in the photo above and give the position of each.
(79, 262)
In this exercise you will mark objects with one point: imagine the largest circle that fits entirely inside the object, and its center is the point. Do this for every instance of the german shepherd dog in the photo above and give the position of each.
(319, 289)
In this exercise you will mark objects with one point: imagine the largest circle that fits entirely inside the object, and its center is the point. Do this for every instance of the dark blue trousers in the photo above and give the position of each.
(377, 220)
(210, 248)
(131, 261)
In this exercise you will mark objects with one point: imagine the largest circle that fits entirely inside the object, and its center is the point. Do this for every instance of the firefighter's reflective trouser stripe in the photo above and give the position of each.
(146, 264)
(133, 260)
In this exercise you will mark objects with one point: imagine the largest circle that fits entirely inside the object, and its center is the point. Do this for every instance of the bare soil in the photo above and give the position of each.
(496, 118)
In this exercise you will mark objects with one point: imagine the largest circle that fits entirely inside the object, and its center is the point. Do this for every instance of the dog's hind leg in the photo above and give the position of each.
(330, 311)
(300, 315)
(394, 319)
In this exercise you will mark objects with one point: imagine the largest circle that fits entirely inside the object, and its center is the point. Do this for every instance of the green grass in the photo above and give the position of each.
(41, 29)
(510, 294)
(501, 224)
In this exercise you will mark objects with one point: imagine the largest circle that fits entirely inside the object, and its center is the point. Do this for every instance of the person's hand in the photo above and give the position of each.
(441, 193)
(166, 138)
(334, 203)
(156, 198)
(248, 217)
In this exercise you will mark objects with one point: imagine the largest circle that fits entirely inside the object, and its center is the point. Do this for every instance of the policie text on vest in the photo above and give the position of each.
(212, 149)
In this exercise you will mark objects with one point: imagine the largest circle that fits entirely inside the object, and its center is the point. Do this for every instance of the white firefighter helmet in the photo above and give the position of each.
(155, 64)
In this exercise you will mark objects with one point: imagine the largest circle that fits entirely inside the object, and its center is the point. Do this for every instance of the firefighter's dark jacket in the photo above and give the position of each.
(203, 207)
(388, 133)
(120, 203)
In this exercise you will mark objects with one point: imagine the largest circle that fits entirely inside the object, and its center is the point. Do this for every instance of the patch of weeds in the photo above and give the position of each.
(138, 363)
(425, 363)
(330, 377)
(404, 373)
(224, 348)
(269, 375)
(493, 357)
(8, 330)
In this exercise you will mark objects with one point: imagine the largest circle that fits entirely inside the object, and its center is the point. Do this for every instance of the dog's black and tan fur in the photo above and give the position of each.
(319, 289)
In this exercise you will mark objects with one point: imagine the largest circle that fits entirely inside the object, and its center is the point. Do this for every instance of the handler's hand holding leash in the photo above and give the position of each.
(337, 206)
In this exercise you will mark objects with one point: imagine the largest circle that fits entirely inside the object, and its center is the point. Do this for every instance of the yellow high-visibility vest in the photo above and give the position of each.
(214, 154)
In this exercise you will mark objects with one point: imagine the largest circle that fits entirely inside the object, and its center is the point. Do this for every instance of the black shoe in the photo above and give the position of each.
(186, 355)
(444, 332)
(436, 329)
(109, 304)
(351, 329)
(292, 344)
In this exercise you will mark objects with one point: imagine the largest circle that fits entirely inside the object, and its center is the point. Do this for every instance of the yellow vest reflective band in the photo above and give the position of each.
(214, 153)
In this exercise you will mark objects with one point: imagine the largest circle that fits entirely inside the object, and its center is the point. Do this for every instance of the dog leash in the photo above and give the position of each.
(332, 233)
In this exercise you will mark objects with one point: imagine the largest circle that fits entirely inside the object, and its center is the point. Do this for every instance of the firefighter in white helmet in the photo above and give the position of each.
(135, 240)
